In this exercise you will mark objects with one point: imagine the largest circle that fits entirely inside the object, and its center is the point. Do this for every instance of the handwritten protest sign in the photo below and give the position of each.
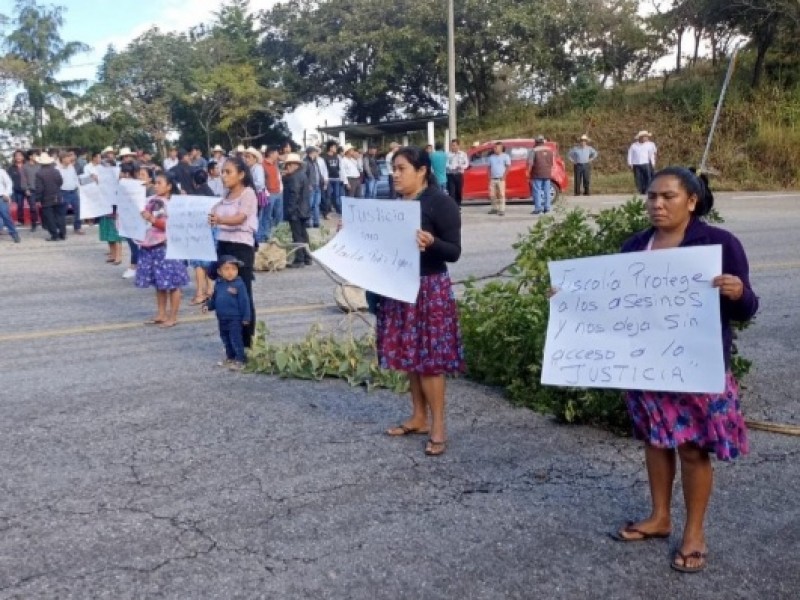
(93, 203)
(131, 200)
(108, 179)
(188, 233)
(644, 320)
(376, 248)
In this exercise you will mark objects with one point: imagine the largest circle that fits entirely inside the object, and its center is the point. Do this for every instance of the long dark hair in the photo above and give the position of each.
(419, 159)
(694, 185)
(241, 167)
(171, 181)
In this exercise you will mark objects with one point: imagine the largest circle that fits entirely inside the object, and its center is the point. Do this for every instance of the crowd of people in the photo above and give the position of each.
(257, 190)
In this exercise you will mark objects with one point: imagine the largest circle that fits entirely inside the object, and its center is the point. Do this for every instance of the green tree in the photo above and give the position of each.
(148, 77)
(38, 52)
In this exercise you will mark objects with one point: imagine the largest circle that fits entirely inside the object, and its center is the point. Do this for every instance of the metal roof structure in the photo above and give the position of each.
(384, 128)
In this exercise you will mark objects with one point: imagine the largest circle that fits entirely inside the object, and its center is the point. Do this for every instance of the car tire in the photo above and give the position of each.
(555, 193)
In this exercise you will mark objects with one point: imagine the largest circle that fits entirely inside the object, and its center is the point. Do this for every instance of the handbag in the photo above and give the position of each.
(263, 198)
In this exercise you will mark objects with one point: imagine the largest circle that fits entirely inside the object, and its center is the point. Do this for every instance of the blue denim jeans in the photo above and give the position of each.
(316, 199)
(230, 331)
(5, 218)
(541, 194)
(371, 188)
(71, 198)
(271, 216)
(335, 195)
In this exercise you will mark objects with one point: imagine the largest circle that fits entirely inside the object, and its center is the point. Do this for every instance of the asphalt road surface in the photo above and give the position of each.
(133, 468)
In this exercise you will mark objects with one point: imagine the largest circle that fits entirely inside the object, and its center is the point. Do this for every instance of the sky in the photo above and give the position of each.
(99, 23)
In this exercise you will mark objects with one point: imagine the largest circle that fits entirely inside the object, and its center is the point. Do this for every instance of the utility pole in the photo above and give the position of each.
(731, 66)
(451, 70)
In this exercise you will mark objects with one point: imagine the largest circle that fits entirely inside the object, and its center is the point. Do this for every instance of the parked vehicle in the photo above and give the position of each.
(476, 177)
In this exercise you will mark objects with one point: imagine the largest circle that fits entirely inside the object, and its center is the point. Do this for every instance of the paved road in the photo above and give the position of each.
(132, 469)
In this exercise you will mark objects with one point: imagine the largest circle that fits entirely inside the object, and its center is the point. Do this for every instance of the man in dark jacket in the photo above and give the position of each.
(184, 173)
(297, 206)
(540, 169)
(31, 167)
(48, 194)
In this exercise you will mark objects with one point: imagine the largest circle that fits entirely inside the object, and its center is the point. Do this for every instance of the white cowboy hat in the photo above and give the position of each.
(45, 159)
(126, 152)
(107, 149)
(218, 148)
(264, 149)
(240, 148)
(293, 157)
(253, 152)
(643, 133)
(347, 148)
(585, 138)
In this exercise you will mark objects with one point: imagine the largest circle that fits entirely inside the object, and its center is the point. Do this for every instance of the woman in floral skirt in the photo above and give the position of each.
(154, 269)
(691, 426)
(423, 339)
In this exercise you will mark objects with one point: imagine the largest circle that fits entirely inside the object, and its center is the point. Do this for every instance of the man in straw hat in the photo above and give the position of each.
(642, 160)
(297, 206)
(582, 155)
(48, 194)
(351, 175)
(218, 154)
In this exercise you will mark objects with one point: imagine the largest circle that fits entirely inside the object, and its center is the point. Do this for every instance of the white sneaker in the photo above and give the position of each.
(129, 274)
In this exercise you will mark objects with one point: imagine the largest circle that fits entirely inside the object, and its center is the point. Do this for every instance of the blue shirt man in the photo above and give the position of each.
(499, 164)
(439, 165)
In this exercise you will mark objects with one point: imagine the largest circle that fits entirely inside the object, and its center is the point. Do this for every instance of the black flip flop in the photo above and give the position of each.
(406, 431)
(629, 528)
(683, 568)
(435, 448)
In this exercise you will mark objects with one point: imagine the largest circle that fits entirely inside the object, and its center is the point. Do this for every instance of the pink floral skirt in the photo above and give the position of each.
(424, 337)
(713, 422)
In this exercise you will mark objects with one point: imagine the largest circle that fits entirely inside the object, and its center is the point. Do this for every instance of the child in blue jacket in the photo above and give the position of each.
(232, 304)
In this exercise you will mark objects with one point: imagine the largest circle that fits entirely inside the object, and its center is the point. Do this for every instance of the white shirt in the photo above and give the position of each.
(349, 167)
(90, 173)
(69, 176)
(259, 181)
(642, 153)
(6, 186)
(169, 163)
(215, 183)
(323, 169)
(457, 162)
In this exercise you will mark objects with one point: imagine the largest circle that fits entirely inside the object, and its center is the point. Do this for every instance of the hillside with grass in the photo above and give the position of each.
(756, 145)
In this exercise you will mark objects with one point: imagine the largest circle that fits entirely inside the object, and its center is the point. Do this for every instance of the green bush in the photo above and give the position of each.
(320, 356)
(504, 324)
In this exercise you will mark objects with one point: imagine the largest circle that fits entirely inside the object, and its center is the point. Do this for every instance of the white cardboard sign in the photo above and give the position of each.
(131, 200)
(188, 232)
(93, 203)
(643, 320)
(376, 248)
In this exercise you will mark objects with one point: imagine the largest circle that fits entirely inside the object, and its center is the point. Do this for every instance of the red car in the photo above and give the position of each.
(518, 186)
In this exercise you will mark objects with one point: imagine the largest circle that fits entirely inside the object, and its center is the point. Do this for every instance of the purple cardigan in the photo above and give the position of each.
(734, 262)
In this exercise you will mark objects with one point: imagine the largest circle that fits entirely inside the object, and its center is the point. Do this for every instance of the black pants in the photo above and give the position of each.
(247, 255)
(54, 219)
(583, 178)
(642, 174)
(20, 197)
(230, 332)
(300, 236)
(455, 186)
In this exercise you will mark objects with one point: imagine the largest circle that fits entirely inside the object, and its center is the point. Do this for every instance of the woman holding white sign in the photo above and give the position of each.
(691, 426)
(155, 269)
(423, 339)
